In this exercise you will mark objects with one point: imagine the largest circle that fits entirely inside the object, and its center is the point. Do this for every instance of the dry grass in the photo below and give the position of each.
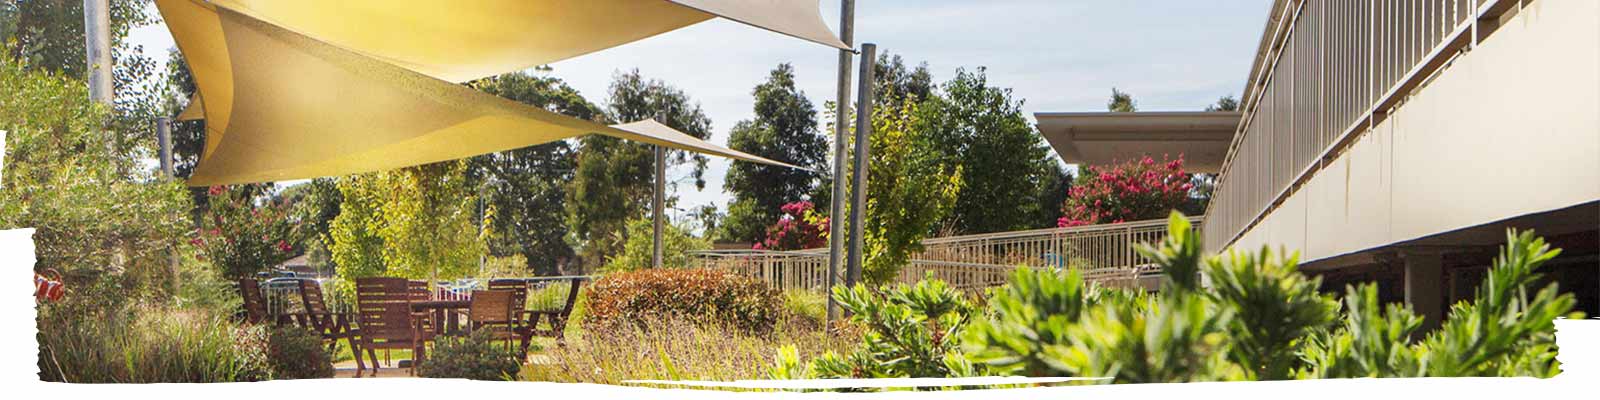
(679, 350)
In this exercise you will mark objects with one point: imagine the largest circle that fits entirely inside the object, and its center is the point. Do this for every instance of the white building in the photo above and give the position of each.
(1395, 141)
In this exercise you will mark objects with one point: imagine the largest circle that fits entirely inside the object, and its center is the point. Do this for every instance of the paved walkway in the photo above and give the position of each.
(347, 369)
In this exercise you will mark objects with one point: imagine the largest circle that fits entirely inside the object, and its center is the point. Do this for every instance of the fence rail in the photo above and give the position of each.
(1104, 253)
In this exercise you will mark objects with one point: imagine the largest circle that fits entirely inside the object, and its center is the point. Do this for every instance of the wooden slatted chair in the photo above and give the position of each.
(495, 311)
(554, 315)
(255, 306)
(520, 314)
(330, 326)
(383, 307)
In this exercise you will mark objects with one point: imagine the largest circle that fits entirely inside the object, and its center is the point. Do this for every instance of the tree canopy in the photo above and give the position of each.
(92, 218)
(526, 186)
(784, 129)
(1005, 163)
(613, 179)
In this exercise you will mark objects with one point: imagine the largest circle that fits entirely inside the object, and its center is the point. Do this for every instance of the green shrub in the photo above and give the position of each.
(1029, 315)
(699, 295)
(298, 353)
(478, 356)
(1274, 308)
(1260, 318)
(1502, 332)
(911, 332)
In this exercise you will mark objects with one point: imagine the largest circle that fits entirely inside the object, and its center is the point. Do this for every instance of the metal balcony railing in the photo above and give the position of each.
(1328, 71)
(1104, 253)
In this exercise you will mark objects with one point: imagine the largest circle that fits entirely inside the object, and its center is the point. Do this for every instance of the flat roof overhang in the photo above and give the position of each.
(1201, 137)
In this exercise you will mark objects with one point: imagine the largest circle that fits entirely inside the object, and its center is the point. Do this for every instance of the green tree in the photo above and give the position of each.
(613, 180)
(526, 186)
(1121, 102)
(908, 193)
(639, 249)
(313, 205)
(414, 222)
(353, 238)
(47, 35)
(1004, 162)
(1053, 191)
(785, 130)
(1224, 103)
(92, 218)
(708, 219)
(894, 83)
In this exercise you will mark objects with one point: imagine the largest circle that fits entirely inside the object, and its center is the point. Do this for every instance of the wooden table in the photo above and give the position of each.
(447, 314)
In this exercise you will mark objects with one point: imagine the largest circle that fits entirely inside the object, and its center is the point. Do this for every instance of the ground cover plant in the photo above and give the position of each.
(478, 356)
(298, 353)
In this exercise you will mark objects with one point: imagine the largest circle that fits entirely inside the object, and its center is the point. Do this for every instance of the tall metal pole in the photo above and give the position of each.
(858, 207)
(657, 205)
(483, 214)
(164, 144)
(841, 124)
(97, 46)
(97, 56)
(164, 151)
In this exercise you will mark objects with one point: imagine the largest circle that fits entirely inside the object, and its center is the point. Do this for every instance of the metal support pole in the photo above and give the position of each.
(483, 214)
(841, 124)
(657, 205)
(97, 46)
(164, 143)
(863, 157)
(164, 151)
(97, 56)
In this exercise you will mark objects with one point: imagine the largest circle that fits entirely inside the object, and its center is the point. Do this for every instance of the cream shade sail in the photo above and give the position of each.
(281, 106)
(462, 40)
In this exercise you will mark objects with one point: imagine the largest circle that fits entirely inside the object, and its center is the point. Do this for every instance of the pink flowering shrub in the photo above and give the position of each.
(241, 237)
(1130, 191)
(800, 227)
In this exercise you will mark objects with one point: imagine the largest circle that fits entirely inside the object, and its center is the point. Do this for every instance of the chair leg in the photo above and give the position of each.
(418, 354)
(373, 355)
(355, 351)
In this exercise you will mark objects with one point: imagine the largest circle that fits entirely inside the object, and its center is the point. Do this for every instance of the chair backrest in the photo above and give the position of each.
(383, 306)
(519, 289)
(491, 307)
(311, 297)
(255, 307)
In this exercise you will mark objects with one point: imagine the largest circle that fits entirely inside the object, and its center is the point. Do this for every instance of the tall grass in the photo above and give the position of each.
(676, 349)
(144, 343)
(116, 330)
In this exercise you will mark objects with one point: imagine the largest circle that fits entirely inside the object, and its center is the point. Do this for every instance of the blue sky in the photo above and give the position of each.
(1058, 55)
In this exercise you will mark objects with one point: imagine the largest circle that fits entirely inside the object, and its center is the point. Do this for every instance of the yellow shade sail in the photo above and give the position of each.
(462, 40)
(281, 106)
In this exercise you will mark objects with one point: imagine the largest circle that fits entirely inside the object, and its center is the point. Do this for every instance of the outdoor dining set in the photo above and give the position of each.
(402, 314)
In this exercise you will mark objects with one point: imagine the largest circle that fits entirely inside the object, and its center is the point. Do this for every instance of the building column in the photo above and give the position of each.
(1424, 285)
